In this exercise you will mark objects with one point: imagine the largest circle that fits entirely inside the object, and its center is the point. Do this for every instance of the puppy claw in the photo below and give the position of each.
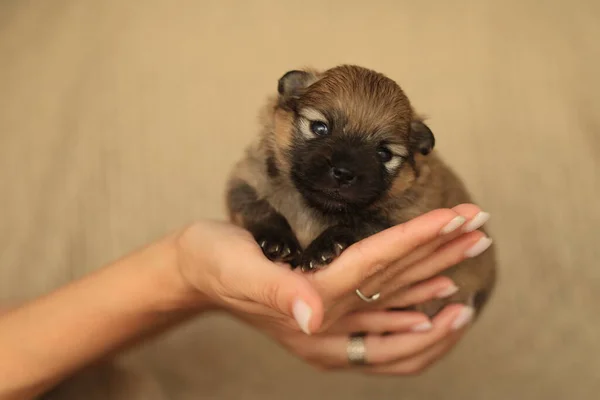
(286, 252)
(279, 248)
(327, 247)
(310, 267)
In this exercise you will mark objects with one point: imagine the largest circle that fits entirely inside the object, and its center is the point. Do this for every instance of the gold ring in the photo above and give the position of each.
(356, 350)
(364, 298)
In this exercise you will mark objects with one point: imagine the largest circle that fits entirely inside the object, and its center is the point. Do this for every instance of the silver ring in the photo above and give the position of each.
(364, 298)
(356, 350)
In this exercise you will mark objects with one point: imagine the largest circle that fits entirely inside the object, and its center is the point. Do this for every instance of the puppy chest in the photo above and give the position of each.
(304, 223)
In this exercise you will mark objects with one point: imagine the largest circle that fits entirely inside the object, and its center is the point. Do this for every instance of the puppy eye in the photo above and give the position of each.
(319, 128)
(384, 154)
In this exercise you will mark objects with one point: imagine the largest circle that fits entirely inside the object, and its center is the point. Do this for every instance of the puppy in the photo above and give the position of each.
(341, 156)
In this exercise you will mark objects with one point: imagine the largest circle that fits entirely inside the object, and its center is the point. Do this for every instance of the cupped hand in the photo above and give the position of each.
(408, 348)
(384, 266)
(225, 264)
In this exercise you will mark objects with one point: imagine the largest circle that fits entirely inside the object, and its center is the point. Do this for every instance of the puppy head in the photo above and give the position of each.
(346, 136)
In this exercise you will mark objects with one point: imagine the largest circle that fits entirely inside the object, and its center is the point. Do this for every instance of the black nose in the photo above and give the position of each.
(343, 175)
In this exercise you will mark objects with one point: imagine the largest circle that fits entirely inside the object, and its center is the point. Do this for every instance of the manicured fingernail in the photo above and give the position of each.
(453, 225)
(422, 327)
(447, 292)
(302, 313)
(463, 318)
(479, 247)
(477, 222)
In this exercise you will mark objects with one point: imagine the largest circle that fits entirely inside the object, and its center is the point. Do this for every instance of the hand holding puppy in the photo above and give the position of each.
(401, 263)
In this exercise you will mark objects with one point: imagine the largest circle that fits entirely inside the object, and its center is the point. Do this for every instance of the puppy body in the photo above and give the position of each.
(342, 155)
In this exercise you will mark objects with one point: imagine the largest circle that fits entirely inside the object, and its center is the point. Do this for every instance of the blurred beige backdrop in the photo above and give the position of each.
(119, 120)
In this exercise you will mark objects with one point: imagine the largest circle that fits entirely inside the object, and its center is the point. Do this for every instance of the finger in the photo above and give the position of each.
(476, 218)
(468, 245)
(471, 216)
(376, 322)
(468, 210)
(470, 213)
(391, 348)
(331, 350)
(365, 258)
(287, 293)
(419, 363)
(438, 287)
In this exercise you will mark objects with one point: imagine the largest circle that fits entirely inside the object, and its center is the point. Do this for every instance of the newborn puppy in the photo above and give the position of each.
(341, 156)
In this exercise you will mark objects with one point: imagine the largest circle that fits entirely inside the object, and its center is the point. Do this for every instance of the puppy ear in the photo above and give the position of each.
(292, 83)
(421, 137)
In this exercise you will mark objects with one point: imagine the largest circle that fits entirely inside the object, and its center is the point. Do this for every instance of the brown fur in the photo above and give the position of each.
(362, 102)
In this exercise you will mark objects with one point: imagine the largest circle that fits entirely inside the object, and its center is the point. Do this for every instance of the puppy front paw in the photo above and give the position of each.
(326, 248)
(278, 245)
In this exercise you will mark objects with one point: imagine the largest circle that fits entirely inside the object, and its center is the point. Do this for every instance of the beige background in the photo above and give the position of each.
(120, 119)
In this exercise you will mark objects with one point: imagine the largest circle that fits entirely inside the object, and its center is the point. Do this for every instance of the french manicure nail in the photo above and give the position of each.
(453, 225)
(479, 247)
(302, 313)
(477, 222)
(447, 292)
(464, 317)
(422, 327)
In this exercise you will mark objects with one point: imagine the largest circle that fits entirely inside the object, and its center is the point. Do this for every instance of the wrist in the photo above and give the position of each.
(176, 293)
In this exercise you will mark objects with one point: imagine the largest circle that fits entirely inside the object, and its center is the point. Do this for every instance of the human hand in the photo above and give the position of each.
(412, 343)
(377, 271)
(225, 264)
(395, 342)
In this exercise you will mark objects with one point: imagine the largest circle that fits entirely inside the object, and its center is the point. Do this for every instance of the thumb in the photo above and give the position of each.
(279, 288)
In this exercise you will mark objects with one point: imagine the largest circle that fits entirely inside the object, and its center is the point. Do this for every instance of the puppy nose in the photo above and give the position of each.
(343, 175)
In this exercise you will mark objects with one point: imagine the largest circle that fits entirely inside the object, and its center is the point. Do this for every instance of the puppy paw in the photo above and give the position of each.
(326, 248)
(319, 256)
(279, 246)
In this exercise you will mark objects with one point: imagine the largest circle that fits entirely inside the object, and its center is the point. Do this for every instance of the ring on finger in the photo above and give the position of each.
(366, 299)
(356, 350)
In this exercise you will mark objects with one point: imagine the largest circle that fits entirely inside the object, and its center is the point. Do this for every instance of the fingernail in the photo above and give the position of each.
(479, 247)
(463, 318)
(477, 222)
(302, 313)
(453, 225)
(422, 327)
(447, 292)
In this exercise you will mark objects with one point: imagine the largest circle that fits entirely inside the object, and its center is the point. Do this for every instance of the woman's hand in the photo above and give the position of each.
(216, 265)
(396, 342)
(387, 264)
(225, 264)
(409, 347)
(411, 342)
